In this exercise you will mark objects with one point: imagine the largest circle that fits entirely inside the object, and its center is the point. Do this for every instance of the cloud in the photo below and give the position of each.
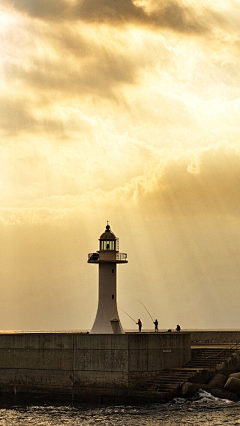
(94, 69)
(44, 9)
(101, 62)
(203, 183)
(17, 117)
(196, 183)
(169, 14)
(179, 18)
(107, 11)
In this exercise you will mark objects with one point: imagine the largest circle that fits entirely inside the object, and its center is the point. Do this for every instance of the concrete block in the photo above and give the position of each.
(155, 341)
(138, 379)
(236, 375)
(36, 359)
(224, 394)
(215, 336)
(95, 390)
(155, 359)
(36, 341)
(233, 385)
(101, 360)
(98, 379)
(218, 381)
(138, 360)
(138, 341)
(100, 341)
(36, 377)
(169, 340)
(190, 389)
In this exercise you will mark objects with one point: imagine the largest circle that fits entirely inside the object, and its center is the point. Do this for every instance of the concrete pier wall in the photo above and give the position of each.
(215, 336)
(84, 365)
(151, 353)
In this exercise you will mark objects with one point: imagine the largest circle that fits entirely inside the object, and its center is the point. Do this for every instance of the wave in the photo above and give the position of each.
(203, 398)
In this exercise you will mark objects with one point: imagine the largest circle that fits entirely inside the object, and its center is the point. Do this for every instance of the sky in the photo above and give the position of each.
(126, 111)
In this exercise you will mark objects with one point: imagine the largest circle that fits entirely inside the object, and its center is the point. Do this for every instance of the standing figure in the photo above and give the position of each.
(156, 324)
(139, 325)
(178, 328)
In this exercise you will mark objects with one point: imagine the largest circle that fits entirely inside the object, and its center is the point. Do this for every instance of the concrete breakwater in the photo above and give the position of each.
(87, 367)
(215, 336)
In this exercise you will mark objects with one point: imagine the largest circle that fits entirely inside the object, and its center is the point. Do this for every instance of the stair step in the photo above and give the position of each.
(176, 374)
(170, 380)
(164, 388)
(166, 383)
(204, 363)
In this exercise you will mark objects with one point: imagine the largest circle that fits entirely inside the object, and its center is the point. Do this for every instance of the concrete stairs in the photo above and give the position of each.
(168, 383)
(170, 380)
(208, 358)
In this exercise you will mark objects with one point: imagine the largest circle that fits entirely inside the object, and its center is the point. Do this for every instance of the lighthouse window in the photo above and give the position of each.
(107, 245)
(112, 296)
(112, 271)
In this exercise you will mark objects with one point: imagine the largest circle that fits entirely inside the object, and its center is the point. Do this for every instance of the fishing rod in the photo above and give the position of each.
(127, 314)
(146, 310)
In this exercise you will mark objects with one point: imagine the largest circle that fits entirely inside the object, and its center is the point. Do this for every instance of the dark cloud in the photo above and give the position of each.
(70, 42)
(44, 9)
(109, 11)
(169, 14)
(97, 74)
(16, 117)
(180, 18)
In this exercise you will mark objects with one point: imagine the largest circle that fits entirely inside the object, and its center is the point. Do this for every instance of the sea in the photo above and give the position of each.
(204, 409)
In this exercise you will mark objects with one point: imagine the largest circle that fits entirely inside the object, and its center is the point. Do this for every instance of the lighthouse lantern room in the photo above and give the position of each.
(107, 320)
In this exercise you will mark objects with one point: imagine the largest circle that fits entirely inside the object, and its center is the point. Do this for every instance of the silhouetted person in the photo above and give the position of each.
(178, 328)
(139, 325)
(156, 324)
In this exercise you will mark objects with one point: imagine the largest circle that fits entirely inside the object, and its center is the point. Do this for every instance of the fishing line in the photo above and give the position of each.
(146, 309)
(127, 314)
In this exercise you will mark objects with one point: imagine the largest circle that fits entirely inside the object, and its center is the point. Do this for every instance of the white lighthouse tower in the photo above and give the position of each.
(107, 320)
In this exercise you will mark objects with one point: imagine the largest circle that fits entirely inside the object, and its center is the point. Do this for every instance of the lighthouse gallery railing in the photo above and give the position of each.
(95, 256)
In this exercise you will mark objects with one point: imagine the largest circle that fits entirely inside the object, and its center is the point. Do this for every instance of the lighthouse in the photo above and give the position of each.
(107, 257)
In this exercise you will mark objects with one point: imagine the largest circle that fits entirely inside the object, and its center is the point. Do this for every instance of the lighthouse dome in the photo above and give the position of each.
(108, 234)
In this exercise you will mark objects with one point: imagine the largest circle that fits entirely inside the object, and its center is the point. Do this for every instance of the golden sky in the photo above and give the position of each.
(126, 111)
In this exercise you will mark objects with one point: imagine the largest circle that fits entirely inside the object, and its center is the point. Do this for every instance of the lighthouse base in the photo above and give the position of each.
(107, 327)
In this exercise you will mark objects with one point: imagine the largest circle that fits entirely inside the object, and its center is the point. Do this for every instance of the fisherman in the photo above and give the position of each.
(178, 328)
(156, 324)
(139, 323)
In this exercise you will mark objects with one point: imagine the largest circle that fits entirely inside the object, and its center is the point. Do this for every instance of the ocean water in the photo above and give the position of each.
(202, 410)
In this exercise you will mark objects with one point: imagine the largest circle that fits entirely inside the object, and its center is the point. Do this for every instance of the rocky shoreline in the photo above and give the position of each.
(220, 386)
